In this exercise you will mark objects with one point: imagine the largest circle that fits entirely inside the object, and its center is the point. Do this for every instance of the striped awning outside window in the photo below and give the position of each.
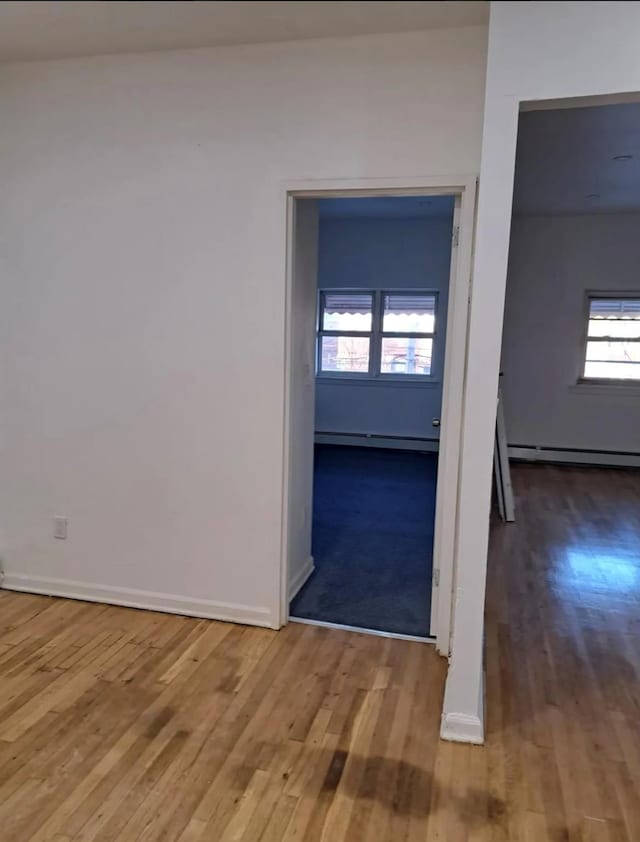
(614, 308)
(345, 302)
(418, 304)
(361, 303)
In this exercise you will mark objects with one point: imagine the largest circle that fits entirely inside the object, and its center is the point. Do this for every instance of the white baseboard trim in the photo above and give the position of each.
(133, 598)
(370, 440)
(327, 625)
(574, 457)
(462, 728)
(301, 577)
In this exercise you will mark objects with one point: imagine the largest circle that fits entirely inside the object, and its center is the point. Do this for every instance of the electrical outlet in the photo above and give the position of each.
(60, 527)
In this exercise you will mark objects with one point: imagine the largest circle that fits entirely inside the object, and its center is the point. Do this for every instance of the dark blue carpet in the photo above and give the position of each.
(373, 517)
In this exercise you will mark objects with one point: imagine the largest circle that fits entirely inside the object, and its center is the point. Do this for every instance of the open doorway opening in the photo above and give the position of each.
(378, 306)
(563, 587)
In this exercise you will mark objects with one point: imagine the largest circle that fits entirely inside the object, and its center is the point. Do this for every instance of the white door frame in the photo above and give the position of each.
(446, 521)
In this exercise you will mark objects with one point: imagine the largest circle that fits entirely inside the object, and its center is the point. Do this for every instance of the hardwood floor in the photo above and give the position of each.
(563, 656)
(127, 725)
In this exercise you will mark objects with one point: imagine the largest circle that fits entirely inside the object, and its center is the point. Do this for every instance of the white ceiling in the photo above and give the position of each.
(565, 160)
(52, 29)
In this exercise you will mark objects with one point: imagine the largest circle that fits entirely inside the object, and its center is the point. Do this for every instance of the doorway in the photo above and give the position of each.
(563, 583)
(571, 358)
(377, 310)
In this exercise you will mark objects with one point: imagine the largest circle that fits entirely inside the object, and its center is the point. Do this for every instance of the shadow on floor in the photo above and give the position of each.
(404, 789)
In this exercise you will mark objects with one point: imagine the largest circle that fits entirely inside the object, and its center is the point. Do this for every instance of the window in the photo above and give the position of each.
(344, 338)
(613, 339)
(376, 334)
(408, 328)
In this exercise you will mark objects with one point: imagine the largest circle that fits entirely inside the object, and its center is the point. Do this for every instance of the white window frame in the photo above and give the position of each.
(618, 382)
(375, 336)
(321, 332)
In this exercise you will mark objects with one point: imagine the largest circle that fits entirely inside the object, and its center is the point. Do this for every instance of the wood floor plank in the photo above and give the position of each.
(135, 726)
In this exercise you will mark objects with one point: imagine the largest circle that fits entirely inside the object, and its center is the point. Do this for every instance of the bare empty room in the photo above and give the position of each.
(564, 579)
(378, 308)
(275, 279)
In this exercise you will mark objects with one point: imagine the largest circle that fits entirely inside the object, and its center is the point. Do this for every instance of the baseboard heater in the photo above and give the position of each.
(574, 456)
(425, 445)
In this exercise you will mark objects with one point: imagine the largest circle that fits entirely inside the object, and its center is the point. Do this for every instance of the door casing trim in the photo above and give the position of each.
(463, 187)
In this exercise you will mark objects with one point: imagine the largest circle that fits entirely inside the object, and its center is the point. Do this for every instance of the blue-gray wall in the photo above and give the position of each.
(384, 254)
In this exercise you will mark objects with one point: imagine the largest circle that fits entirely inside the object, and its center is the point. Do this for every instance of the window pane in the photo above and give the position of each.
(409, 313)
(406, 355)
(623, 352)
(614, 308)
(612, 371)
(344, 353)
(343, 311)
(618, 317)
(621, 328)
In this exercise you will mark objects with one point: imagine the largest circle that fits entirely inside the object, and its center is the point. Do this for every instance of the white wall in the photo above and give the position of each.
(142, 231)
(385, 254)
(542, 50)
(553, 262)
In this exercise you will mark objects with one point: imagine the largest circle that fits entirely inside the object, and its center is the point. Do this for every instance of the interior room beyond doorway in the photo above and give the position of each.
(383, 267)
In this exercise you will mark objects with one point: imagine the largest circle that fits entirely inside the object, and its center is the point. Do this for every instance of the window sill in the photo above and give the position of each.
(585, 387)
(378, 382)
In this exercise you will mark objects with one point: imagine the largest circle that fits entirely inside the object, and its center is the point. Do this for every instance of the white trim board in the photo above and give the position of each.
(133, 598)
(372, 440)
(574, 457)
(340, 627)
(462, 728)
(463, 187)
(458, 727)
(301, 577)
